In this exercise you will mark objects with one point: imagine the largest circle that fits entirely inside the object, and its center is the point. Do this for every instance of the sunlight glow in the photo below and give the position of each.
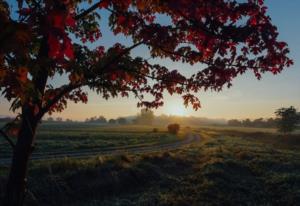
(177, 110)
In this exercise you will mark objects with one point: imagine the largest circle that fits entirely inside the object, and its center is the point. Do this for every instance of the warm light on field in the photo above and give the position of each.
(178, 110)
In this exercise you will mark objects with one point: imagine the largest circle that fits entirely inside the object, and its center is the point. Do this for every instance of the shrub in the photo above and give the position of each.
(173, 128)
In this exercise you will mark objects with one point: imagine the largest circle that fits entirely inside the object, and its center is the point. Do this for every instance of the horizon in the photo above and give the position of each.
(135, 115)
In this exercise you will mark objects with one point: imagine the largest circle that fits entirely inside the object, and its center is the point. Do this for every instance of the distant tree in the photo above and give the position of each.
(59, 119)
(288, 118)
(271, 122)
(146, 117)
(42, 39)
(122, 120)
(6, 119)
(50, 119)
(234, 122)
(258, 122)
(247, 123)
(101, 119)
(112, 121)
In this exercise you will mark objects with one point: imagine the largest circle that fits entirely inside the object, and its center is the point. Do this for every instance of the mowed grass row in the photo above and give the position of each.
(70, 137)
(225, 168)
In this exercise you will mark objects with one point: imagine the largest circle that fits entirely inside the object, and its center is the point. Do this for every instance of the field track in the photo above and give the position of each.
(189, 138)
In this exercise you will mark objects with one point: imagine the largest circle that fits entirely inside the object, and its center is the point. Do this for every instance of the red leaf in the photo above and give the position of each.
(260, 2)
(24, 11)
(103, 4)
(68, 48)
(58, 20)
(70, 21)
(253, 21)
(121, 19)
(113, 76)
(54, 46)
(22, 74)
(281, 45)
(100, 50)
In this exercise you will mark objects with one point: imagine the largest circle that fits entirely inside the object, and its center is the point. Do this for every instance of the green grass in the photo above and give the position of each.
(75, 137)
(228, 167)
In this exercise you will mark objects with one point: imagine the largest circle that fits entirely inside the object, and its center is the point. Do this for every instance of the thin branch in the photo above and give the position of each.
(64, 91)
(68, 88)
(205, 62)
(6, 137)
(87, 11)
(123, 53)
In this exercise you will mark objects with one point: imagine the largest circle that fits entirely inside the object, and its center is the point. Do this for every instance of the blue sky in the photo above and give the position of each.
(247, 98)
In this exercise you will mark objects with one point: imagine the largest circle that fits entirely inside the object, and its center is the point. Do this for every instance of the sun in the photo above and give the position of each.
(177, 110)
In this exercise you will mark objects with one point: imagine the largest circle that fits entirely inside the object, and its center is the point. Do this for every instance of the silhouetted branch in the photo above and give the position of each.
(6, 137)
(87, 11)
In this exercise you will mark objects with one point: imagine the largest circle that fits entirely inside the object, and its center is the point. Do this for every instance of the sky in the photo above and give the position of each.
(247, 98)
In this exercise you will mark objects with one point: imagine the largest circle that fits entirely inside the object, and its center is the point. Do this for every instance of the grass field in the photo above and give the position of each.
(55, 137)
(230, 166)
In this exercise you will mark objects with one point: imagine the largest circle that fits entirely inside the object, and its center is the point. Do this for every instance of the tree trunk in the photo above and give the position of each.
(16, 186)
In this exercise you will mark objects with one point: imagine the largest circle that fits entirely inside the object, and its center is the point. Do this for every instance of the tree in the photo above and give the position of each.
(234, 122)
(100, 119)
(59, 119)
(43, 39)
(258, 122)
(146, 117)
(69, 120)
(112, 121)
(247, 123)
(271, 122)
(121, 120)
(50, 119)
(288, 118)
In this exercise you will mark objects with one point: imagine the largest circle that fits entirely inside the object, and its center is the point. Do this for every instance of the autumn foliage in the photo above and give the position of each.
(225, 36)
(49, 39)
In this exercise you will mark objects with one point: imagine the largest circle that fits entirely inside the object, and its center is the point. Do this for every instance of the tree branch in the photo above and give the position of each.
(68, 88)
(6, 137)
(123, 53)
(64, 91)
(236, 34)
(87, 11)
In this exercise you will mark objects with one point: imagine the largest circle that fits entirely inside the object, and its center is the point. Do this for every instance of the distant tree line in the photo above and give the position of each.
(57, 119)
(103, 120)
(260, 122)
(144, 117)
(6, 119)
(287, 120)
(95, 119)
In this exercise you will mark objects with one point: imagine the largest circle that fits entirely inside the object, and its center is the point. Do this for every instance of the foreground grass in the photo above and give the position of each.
(225, 168)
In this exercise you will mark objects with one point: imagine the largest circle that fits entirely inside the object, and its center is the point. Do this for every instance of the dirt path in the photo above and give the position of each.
(190, 138)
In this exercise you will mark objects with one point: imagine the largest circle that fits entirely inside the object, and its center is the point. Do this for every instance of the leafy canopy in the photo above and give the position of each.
(43, 39)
